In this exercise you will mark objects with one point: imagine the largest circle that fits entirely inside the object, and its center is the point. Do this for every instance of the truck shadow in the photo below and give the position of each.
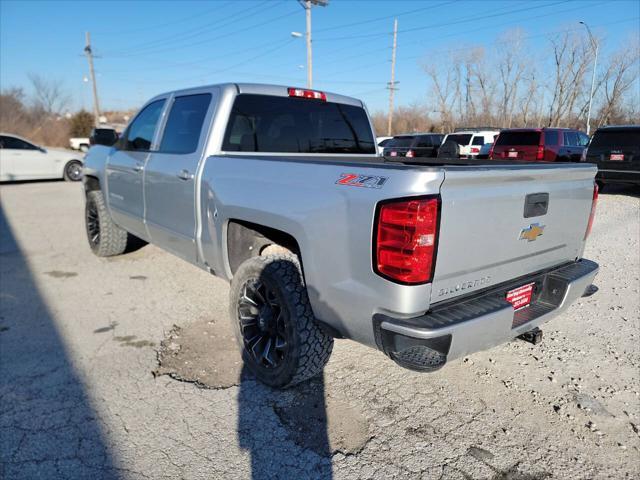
(285, 432)
(48, 426)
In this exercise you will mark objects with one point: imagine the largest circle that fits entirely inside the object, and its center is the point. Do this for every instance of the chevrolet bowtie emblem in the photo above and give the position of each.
(532, 232)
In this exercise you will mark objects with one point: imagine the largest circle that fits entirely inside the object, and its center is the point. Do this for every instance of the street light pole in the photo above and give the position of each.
(307, 7)
(594, 45)
(306, 4)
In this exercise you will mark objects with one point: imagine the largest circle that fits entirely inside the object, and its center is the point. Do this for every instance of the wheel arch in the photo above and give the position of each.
(91, 183)
(247, 240)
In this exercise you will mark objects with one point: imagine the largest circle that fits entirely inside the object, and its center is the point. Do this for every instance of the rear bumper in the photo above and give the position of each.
(480, 321)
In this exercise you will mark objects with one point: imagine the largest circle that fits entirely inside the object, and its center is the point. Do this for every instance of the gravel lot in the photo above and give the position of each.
(82, 395)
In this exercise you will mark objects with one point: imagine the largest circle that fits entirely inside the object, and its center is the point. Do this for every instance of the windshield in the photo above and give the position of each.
(460, 138)
(262, 123)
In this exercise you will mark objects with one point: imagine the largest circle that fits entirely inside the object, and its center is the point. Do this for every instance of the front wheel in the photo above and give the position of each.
(73, 171)
(105, 237)
(281, 342)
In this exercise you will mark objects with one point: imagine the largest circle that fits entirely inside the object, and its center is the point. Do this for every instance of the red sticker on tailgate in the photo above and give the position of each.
(520, 297)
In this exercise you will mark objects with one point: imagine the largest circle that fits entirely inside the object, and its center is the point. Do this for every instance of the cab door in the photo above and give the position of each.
(171, 174)
(125, 169)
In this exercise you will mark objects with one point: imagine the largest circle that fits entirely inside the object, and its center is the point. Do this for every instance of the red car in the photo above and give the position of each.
(540, 145)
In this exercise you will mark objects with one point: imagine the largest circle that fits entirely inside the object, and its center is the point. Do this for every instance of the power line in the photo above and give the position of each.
(474, 18)
(386, 17)
(155, 46)
(173, 22)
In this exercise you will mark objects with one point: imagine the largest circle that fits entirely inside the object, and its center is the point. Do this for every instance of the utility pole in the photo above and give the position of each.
(96, 106)
(594, 45)
(392, 83)
(306, 4)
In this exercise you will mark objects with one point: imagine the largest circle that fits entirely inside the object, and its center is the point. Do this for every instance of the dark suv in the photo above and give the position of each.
(616, 151)
(414, 145)
(540, 145)
(103, 136)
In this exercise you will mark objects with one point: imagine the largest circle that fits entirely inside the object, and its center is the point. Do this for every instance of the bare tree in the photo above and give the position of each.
(49, 95)
(571, 55)
(620, 75)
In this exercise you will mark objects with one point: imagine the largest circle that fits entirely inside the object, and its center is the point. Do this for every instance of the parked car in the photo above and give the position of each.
(103, 136)
(616, 151)
(21, 159)
(540, 144)
(485, 149)
(381, 142)
(80, 143)
(280, 191)
(414, 145)
(469, 141)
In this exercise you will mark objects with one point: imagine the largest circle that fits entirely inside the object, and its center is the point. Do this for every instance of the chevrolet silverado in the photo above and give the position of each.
(279, 190)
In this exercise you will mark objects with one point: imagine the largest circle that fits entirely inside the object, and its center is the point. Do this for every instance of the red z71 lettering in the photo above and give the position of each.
(355, 180)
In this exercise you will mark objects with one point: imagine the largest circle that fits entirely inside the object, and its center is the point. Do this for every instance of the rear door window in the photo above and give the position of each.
(570, 139)
(425, 141)
(263, 123)
(551, 137)
(184, 125)
(478, 140)
(139, 135)
(518, 138)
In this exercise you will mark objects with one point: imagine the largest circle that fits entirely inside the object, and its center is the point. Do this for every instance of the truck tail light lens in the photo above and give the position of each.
(410, 154)
(540, 153)
(593, 210)
(302, 93)
(406, 240)
(475, 150)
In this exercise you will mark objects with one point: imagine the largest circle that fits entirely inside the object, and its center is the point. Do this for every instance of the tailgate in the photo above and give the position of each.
(485, 238)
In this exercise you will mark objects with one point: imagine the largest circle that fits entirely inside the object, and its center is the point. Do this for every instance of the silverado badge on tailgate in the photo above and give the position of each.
(532, 232)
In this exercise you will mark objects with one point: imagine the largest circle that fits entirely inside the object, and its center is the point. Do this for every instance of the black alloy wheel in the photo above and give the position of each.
(263, 321)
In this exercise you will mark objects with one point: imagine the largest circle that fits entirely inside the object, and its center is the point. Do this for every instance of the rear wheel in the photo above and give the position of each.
(105, 237)
(73, 171)
(281, 342)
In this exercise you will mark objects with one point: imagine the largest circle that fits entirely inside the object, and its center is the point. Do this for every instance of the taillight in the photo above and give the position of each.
(475, 150)
(410, 154)
(593, 210)
(583, 157)
(302, 93)
(491, 151)
(540, 153)
(405, 240)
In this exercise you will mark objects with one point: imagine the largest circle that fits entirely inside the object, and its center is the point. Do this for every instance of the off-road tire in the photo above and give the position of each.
(309, 346)
(70, 173)
(111, 240)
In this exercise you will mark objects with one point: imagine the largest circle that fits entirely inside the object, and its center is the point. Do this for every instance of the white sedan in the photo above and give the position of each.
(23, 160)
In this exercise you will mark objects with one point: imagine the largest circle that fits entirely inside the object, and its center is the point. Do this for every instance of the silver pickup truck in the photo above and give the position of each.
(280, 191)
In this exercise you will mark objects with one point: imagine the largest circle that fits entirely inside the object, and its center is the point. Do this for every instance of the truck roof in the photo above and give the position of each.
(257, 89)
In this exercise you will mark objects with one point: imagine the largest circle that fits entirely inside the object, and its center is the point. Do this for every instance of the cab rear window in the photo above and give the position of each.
(518, 138)
(460, 139)
(263, 123)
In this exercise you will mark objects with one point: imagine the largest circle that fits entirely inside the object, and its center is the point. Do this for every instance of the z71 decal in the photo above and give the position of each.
(355, 180)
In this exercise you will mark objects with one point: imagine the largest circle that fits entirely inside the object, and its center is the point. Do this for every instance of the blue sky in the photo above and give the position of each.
(148, 47)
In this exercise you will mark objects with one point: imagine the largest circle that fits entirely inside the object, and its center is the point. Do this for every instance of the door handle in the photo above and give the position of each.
(138, 168)
(185, 175)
